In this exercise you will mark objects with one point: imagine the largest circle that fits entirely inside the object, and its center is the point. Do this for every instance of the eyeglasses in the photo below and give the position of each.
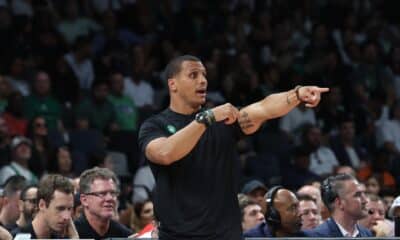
(103, 194)
(30, 200)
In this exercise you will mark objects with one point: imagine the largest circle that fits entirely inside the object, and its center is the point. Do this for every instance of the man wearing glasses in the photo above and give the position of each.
(99, 195)
(27, 205)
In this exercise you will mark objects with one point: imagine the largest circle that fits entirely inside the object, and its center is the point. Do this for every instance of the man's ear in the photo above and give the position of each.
(172, 84)
(42, 204)
(84, 200)
(338, 203)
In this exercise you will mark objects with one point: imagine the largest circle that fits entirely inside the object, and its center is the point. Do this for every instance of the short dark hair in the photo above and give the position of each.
(13, 184)
(174, 66)
(88, 176)
(332, 187)
(244, 203)
(51, 183)
(25, 190)
(306, 197)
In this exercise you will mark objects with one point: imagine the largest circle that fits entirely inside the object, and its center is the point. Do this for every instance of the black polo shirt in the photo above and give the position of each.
(29, 230)
(196, 197)
(116, 230)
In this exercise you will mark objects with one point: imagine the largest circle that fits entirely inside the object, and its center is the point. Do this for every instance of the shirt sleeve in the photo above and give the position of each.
(149, 131)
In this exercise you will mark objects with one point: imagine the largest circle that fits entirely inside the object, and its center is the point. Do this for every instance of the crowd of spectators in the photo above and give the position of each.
(77, 78)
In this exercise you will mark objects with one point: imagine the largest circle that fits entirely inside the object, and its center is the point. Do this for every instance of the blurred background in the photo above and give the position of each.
(77, 78)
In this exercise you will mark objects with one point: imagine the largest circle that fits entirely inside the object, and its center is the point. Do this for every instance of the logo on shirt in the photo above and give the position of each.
(171, 129)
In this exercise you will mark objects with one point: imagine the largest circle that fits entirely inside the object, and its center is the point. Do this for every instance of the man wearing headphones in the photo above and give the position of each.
(282, 218)
(344, 197)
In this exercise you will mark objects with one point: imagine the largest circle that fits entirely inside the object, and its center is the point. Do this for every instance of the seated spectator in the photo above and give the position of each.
(17, 75)
(388, 133)
(13, 115)
(376, 212)
(322, 158)
(309, 212)
(346, 200)
(98, 109)
(20, 154)
(293, 122)
(27, 205)
(345, 147)
(282, 218)
(81, 64)
(98, 194)
(9, 212)
(41, 102)
(255, 191)
(298, 174)
(251, 213)
(62, 163)
(55, 203)
(126, 112)
(66, 83)
(143, 214)
(137, 86)
(315, 193)
(73, 25)
(41, 149)
(372, 185)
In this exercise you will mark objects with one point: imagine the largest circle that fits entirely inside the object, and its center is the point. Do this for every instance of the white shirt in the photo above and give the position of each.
(141, 93)
(354, 159)
(296, 118)
(83, 71)
(323, 161)
(143, 178)
(347, 234)
(16, 169)
(389, 131)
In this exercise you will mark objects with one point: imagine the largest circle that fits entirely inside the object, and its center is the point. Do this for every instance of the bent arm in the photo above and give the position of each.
(167, 150)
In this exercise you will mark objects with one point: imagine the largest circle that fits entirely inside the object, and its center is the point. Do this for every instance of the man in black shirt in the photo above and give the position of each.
(55, 203)
(98, 193)
(192, 156)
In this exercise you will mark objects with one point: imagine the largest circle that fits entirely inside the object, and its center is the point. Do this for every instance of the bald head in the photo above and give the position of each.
(286, 203)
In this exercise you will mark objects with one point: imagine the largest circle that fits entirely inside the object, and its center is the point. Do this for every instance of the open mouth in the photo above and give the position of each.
(201, 92)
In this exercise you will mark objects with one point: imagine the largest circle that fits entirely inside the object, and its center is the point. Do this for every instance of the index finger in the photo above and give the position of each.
(322, 90)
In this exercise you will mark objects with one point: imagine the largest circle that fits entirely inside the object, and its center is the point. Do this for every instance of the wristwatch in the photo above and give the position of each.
(206, 117)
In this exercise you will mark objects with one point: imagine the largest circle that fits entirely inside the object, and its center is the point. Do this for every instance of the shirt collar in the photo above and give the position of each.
(347, 234)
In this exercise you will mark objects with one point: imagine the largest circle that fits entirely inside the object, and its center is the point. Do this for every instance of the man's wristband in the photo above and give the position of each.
(206, 117)
(297, 91)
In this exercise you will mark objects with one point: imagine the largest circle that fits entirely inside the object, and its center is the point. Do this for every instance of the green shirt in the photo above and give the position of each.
(47, 107)
(100, 116)
(126, 112)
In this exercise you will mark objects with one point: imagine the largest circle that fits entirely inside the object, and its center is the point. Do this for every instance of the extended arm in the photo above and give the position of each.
(277, 105)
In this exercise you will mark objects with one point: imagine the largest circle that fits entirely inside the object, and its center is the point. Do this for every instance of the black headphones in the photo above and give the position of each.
(327, 193)
(272, 215)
